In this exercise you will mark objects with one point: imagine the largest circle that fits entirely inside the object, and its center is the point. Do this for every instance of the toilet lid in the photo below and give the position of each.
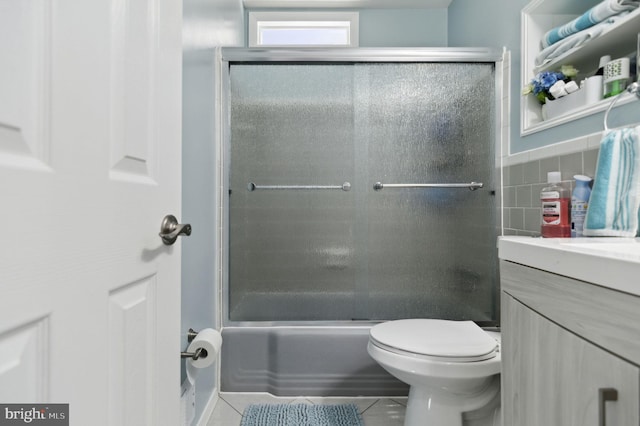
(462, 340)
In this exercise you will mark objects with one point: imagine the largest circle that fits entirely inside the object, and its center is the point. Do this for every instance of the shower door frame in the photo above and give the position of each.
(234, 55)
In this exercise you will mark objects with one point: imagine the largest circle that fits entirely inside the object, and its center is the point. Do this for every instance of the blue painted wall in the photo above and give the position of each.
(403, 28)
(207, 24)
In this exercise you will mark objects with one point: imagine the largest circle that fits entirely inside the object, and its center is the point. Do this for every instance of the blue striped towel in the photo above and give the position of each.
(615, 199)
(576, 40)
(596, 14)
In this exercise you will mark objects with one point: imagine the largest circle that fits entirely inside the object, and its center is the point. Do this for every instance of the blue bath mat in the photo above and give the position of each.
(301, 415)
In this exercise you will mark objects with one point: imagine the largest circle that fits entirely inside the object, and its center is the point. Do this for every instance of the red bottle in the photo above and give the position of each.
(556, 208)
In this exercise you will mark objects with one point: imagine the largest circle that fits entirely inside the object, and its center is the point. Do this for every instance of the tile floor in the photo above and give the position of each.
(375, 411)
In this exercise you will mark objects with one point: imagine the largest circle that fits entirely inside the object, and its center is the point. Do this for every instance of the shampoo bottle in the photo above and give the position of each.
(556, 206)
(579, 204)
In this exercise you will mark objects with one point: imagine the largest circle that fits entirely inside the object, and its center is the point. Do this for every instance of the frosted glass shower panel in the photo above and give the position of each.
(362, 254)
(430, 252)
(291, 251)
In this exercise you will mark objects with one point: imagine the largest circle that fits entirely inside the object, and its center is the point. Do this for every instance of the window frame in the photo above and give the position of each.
(302, 21)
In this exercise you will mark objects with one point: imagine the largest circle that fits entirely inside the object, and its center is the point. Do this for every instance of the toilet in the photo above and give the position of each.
(452, 367)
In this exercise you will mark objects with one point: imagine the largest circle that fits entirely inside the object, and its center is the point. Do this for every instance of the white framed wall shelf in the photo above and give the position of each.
(618, 39)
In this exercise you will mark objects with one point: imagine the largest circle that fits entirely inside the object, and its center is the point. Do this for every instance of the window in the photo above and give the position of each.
(303, 29)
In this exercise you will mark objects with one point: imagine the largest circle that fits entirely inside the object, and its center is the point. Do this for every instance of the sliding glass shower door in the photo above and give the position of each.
(311, 239)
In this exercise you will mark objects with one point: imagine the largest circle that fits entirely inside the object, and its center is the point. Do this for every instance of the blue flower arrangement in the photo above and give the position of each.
(541, 85)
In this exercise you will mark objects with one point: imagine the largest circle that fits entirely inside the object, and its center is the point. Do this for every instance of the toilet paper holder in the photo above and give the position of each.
(198, 353)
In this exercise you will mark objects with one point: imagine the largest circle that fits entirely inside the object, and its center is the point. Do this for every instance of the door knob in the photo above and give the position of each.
(170, 229)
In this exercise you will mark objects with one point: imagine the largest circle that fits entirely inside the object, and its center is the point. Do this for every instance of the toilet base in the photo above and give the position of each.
(428, 406)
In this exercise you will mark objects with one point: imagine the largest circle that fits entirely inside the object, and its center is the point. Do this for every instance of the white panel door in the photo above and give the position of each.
(90, 163)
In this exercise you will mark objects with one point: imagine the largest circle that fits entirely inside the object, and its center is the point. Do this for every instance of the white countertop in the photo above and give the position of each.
(609, 262)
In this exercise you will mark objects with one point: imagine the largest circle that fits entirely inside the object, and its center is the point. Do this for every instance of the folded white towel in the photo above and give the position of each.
(615, 199)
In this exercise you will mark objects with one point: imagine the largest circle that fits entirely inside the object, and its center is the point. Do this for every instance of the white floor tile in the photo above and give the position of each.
(385, 412)
(363, 403)
(301, 400)
(224, 415)
(400, 400)
(240, 401)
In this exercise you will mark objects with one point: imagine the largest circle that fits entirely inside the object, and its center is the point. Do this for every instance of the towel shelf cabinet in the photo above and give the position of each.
(537, 18)
(571, 354)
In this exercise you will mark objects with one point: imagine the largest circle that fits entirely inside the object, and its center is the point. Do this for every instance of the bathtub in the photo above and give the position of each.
(303, 360)
(299, 356)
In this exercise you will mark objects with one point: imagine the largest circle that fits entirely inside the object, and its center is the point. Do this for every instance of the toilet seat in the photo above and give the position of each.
(441, 340)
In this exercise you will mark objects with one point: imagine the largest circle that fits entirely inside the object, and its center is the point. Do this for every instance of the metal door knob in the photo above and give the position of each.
(170, 229)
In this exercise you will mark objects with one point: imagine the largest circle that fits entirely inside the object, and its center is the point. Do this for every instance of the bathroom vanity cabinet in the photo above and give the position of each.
(570, 347)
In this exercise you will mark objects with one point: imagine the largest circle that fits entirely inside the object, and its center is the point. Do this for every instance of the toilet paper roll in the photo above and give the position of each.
(208, 339)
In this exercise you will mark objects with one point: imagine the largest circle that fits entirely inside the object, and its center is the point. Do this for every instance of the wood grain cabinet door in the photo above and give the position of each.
(552, 377)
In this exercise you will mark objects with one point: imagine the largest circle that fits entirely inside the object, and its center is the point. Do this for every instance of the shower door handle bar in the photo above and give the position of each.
(253, 187)
(471, 185)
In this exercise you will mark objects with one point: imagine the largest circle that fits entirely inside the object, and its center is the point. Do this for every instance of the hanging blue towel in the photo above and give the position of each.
(615, 199)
